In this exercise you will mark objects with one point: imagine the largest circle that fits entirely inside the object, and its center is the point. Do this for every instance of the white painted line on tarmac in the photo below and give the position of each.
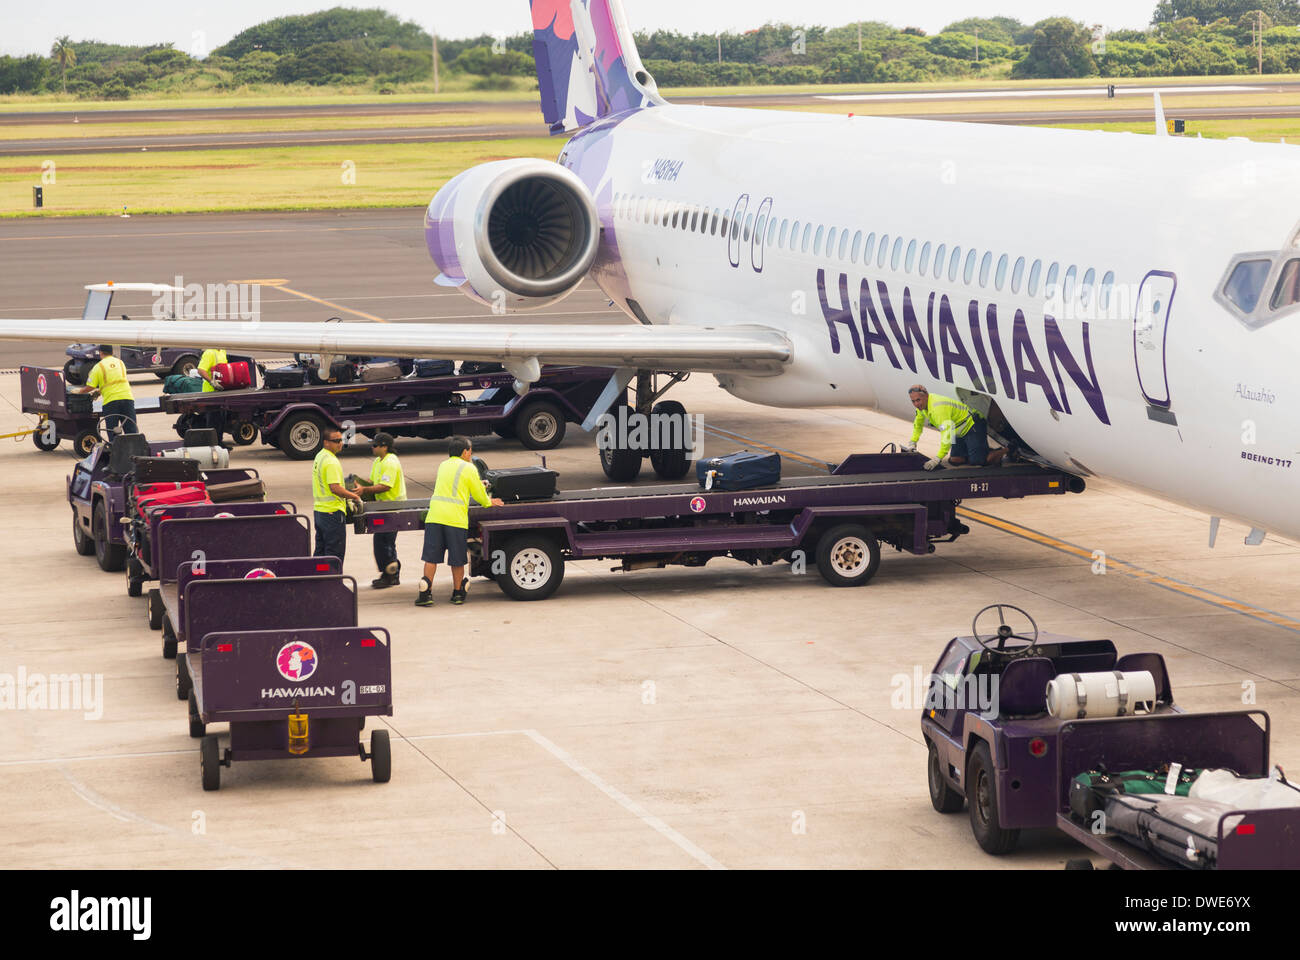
(615, 794)
(1020, 94)
(102, 756)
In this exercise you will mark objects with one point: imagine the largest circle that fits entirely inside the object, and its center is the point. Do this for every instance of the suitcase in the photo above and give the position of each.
(232, 376)
(739, 471)
(435, 368)
(341, 371)
(250, 489)
(169, 494)
(470, 367)
(285, 378)
(524, 483)
(155, 469)
(1180, 830)
(201, 437)
(380, 372)
(1090, 791)
(179, 383)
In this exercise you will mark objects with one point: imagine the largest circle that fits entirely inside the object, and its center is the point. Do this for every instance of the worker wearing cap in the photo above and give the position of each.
(108, 379)
(446, 525)
(329, 497)
(963, 433)
(387, 482)
(211, 357)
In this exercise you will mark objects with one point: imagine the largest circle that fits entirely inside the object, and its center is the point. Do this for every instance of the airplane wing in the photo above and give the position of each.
(751, 350)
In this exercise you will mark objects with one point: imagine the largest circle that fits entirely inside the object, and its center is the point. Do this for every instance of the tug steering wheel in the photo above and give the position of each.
(1005, 633)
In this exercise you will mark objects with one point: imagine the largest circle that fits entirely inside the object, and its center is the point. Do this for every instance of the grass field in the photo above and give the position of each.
(272, 178)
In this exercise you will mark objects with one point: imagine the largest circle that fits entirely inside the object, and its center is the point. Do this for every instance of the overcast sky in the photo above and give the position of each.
(32, 27)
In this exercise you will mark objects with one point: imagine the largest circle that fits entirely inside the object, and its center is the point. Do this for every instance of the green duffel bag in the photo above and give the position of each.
(1089, 791)
(179, 383)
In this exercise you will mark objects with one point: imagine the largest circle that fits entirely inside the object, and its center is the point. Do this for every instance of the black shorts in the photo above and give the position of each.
(440, 539)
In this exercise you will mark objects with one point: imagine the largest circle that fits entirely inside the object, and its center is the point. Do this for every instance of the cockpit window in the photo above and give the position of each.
(1246, 284)
(1287, 292)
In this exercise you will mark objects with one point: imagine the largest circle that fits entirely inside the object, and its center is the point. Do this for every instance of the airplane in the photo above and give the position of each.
(1120, 306)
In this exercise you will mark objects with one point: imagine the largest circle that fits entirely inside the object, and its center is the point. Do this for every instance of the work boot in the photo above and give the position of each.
(460, 596)
(425, 599)
(385, 581)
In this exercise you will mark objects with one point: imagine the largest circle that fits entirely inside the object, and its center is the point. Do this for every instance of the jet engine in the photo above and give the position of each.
(513, 234)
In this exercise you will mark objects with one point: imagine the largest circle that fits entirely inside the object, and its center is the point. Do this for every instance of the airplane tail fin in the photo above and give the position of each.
(587, 63)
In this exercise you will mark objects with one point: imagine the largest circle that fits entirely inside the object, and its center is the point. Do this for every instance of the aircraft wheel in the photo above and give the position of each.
(673, 463)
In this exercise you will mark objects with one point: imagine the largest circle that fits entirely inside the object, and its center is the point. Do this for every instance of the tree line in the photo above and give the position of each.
(346, 46)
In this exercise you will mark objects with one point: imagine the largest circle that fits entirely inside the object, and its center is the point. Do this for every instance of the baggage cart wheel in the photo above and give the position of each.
(197, 726)
(110, 556)
(134, 577)
(186, 365)
(942, 796)
(155, 610)
(540, 425)
(982, 784)
(210, 762)
(84, 545)
(671, 464)
(848, 555)
(243, 433)
(381, 757)
(168, 639)
(40, 438)
(183, 687)
(534, 568)
(302, 436)
(84, 442)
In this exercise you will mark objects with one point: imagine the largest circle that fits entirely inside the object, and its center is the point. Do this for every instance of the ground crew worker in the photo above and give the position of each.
(328, 496)
(386, 483)
(211, 357)
(446, 525)
(108, 379)
(963, 433)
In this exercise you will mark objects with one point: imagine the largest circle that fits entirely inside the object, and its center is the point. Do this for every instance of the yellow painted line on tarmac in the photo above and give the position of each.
(280, 285)
(190, 233)
(1114, 565)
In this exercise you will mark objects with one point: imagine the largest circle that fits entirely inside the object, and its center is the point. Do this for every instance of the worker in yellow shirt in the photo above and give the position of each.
(210, 359)
(108, 379)
(963, 433)
(446, 525)
(387, 483)
(328, 496)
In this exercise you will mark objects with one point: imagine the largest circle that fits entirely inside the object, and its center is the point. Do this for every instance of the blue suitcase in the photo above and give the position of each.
(739, 471)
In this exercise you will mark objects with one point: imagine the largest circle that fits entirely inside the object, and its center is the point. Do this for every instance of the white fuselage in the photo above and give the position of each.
(1139, 375)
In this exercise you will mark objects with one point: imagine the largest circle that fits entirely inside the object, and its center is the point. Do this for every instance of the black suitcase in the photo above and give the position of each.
(525, 483)
(201, 437)
(165, 470)
(81, 403)
(341, 371)
(470, 367)
(285, 378)
(739, 471)
(435, 368)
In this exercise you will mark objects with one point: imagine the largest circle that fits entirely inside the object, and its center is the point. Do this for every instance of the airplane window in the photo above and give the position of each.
(1287, 293)
(868, 249)
(1070, 276)
(760, 227)
(1000, 279)
(924, 266)
(1107, 283)
(940, 260)
(817, 242)
(661, 213)
(676, 209)
(1246, 284)
(695, 219)
(1018, 275)
(749, 226)
(857, 245)
(955, 265)
(898, 253)
(807, 236)
(910, 262)
(1034, 276)
(736, 228)
(830, 243)
(1085, 293)
(985, 269)
(771, 231)
(1050, 288)
(785, 230)
(968, 273)
(844, 243)
(883, 253)
(726, 223)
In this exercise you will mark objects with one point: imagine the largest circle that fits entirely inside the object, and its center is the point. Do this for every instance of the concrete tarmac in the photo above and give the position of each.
(683, 718)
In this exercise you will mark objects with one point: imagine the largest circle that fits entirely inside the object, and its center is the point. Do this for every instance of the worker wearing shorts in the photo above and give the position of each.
(108, 377)
(446, 525)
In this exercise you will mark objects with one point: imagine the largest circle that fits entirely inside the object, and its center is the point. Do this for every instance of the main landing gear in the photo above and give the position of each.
(648, 429)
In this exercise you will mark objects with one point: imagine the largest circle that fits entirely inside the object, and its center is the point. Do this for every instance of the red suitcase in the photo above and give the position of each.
(170, 494)
(232, 376)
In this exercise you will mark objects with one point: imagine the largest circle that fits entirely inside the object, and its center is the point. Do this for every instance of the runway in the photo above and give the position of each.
(724, 717)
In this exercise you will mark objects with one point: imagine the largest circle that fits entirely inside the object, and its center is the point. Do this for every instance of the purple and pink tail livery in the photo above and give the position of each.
(587, 63)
